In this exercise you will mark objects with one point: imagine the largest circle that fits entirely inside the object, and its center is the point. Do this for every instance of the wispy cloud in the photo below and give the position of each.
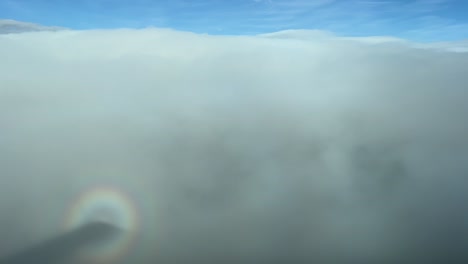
(301, 4)
(354, 17)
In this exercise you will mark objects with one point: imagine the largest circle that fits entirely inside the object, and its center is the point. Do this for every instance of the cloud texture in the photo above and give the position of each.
(293, 147)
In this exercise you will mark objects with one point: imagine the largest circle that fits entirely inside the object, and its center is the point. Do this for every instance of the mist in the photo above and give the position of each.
(291, 147)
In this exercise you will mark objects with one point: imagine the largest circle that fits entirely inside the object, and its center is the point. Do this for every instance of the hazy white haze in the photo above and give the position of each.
(291, 147)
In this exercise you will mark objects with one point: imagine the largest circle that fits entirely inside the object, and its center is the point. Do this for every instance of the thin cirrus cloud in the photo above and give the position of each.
(289, 147)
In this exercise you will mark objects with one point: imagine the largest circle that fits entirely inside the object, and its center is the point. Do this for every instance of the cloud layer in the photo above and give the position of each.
(293, 147)
(8, 26)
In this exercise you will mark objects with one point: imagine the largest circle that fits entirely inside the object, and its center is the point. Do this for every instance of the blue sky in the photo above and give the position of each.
(420, 20)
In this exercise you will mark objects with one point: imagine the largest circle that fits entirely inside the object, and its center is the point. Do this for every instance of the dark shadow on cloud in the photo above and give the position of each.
(63, 248)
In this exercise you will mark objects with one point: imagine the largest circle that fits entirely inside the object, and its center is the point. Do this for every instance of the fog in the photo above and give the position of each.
(292, 147)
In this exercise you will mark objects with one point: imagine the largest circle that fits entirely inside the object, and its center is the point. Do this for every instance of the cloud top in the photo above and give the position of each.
(291, 147)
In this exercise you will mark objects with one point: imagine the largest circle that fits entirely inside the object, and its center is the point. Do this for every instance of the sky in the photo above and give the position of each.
(417, 20)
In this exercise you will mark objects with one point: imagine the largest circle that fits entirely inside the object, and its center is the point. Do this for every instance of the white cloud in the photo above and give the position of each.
(286, 147)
